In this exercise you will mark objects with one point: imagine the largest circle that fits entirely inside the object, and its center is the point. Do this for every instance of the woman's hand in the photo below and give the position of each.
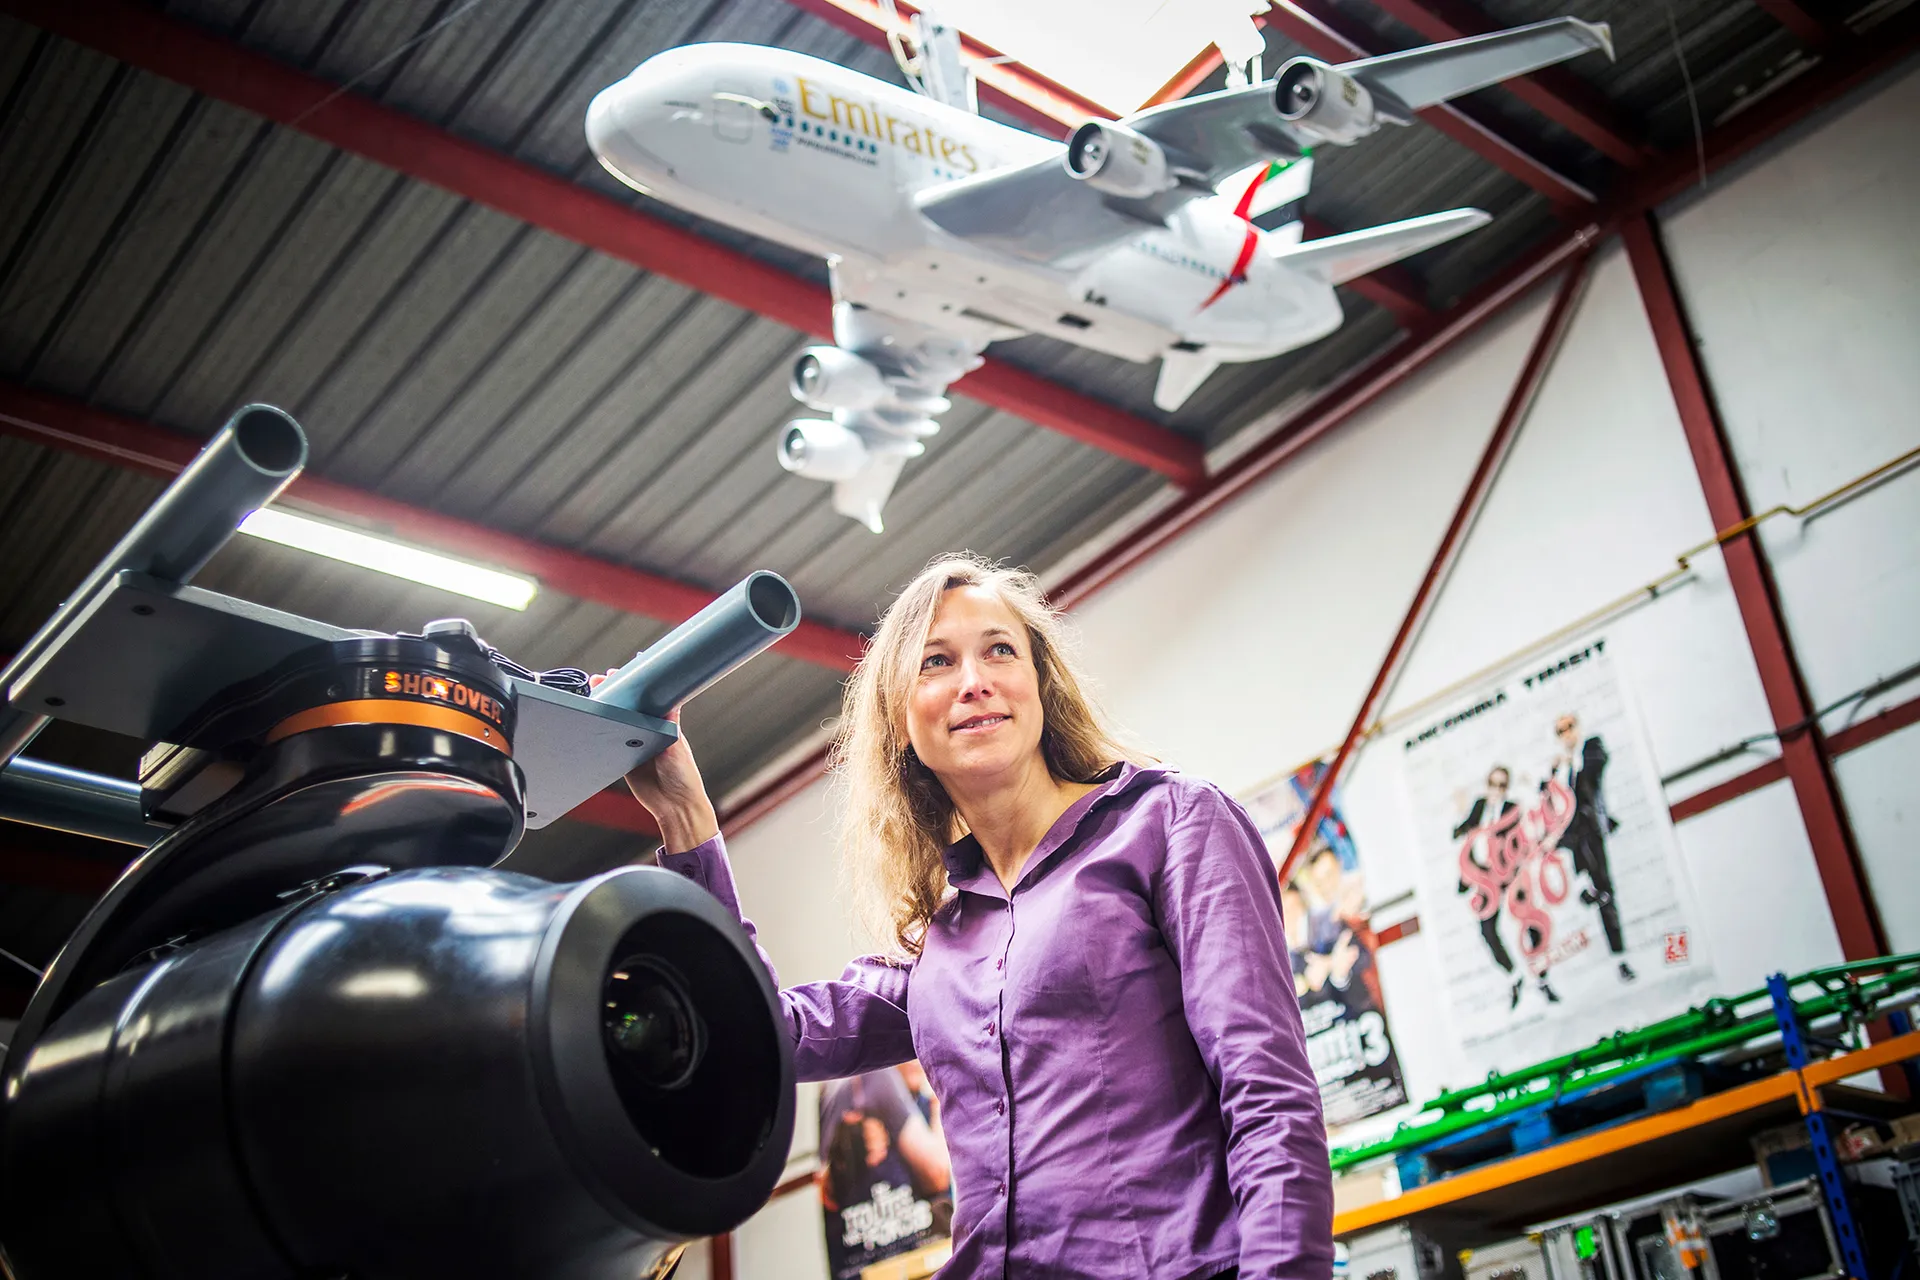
(670, 788)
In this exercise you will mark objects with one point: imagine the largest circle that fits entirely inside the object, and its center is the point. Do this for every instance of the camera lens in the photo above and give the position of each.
(652, 1029)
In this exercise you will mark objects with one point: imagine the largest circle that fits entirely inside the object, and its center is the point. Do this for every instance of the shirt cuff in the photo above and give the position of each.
(701, 864)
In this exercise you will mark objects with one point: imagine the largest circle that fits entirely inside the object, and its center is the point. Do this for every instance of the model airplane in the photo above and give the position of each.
(945, 232)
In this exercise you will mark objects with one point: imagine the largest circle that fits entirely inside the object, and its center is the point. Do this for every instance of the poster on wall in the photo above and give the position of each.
(1549, 876)
(1330, 933)
(885, 1182)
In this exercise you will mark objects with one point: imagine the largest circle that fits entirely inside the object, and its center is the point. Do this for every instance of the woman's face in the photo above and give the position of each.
(974, 714)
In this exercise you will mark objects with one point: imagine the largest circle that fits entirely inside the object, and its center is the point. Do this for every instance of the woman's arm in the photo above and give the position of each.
(842, 1028)
(1219, 908)
(837, 1028)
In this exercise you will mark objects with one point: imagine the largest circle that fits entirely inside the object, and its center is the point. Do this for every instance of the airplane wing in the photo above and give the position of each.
(1038, 213)
(1419, 78)
(1161, 159)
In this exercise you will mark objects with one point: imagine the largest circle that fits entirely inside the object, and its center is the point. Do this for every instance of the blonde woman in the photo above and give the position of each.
(1088, 958)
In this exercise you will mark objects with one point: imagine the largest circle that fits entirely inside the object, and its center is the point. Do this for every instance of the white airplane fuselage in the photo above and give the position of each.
(828, 161)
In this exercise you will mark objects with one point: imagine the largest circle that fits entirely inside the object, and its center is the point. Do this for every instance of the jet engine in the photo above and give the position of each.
(1317, 100)
(830, 378)
(821, 450)
(1117, 161)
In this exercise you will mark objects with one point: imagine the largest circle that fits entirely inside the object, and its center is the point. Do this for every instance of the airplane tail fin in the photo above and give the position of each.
(1337, 259)
(862, 495)
(1181, 373)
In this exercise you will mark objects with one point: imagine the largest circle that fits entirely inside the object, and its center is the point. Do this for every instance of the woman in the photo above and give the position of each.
(1090, 961)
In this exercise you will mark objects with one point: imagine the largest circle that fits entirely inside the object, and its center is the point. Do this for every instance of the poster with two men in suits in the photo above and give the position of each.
(1548, 870)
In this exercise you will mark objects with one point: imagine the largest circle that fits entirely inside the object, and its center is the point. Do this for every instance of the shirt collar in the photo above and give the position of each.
(967, 866)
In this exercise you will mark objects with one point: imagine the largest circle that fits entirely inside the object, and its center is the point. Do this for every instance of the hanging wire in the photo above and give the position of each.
(1693, 99)
(32, 969)
(428, 34)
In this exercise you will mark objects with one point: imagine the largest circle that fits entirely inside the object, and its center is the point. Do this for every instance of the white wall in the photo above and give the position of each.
(1878, 783)
(1802, 279)
(1244, 647)
(786, 872)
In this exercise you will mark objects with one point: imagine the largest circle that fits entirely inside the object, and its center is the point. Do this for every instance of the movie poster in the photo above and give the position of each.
(885, 1183)
(1330, 933)
(1548, 871)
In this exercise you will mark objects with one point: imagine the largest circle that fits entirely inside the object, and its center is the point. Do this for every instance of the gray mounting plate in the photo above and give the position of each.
(142, 655)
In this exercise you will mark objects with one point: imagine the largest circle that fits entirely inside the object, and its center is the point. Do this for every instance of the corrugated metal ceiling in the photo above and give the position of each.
(169, 257)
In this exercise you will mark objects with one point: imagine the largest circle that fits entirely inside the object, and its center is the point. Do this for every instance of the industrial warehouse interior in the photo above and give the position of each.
(838, 640)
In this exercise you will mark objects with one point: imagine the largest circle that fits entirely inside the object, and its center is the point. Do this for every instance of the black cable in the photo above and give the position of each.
(566, 679)
(1858, 697)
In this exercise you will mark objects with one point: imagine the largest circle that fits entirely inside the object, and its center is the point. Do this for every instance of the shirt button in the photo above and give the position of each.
(1000, 1188)
(989, 1028)
(1000, 963)
(999, 1106)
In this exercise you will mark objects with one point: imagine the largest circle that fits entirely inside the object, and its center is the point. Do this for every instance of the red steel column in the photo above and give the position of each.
(1803, 747)
(1545, 346)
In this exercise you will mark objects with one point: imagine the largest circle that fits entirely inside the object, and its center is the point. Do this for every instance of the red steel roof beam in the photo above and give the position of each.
(1795, 17)
(1317, 30)
(1803, 750)
(1506, 430)
(219, 68)
(1553, 92)
(1191, 76)
(81, 429)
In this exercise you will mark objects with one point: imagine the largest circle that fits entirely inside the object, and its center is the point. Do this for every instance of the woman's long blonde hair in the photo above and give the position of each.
(898, 818)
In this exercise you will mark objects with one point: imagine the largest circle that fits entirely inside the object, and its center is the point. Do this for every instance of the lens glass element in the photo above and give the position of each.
(653, 1032)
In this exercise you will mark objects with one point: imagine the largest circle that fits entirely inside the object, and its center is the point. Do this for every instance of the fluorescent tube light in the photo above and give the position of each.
(385, 556)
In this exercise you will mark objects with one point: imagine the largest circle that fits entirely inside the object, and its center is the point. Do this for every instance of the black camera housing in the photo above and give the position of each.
(310, 1033)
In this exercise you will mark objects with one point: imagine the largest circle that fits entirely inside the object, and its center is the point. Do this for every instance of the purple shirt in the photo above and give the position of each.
(1116, 1045)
